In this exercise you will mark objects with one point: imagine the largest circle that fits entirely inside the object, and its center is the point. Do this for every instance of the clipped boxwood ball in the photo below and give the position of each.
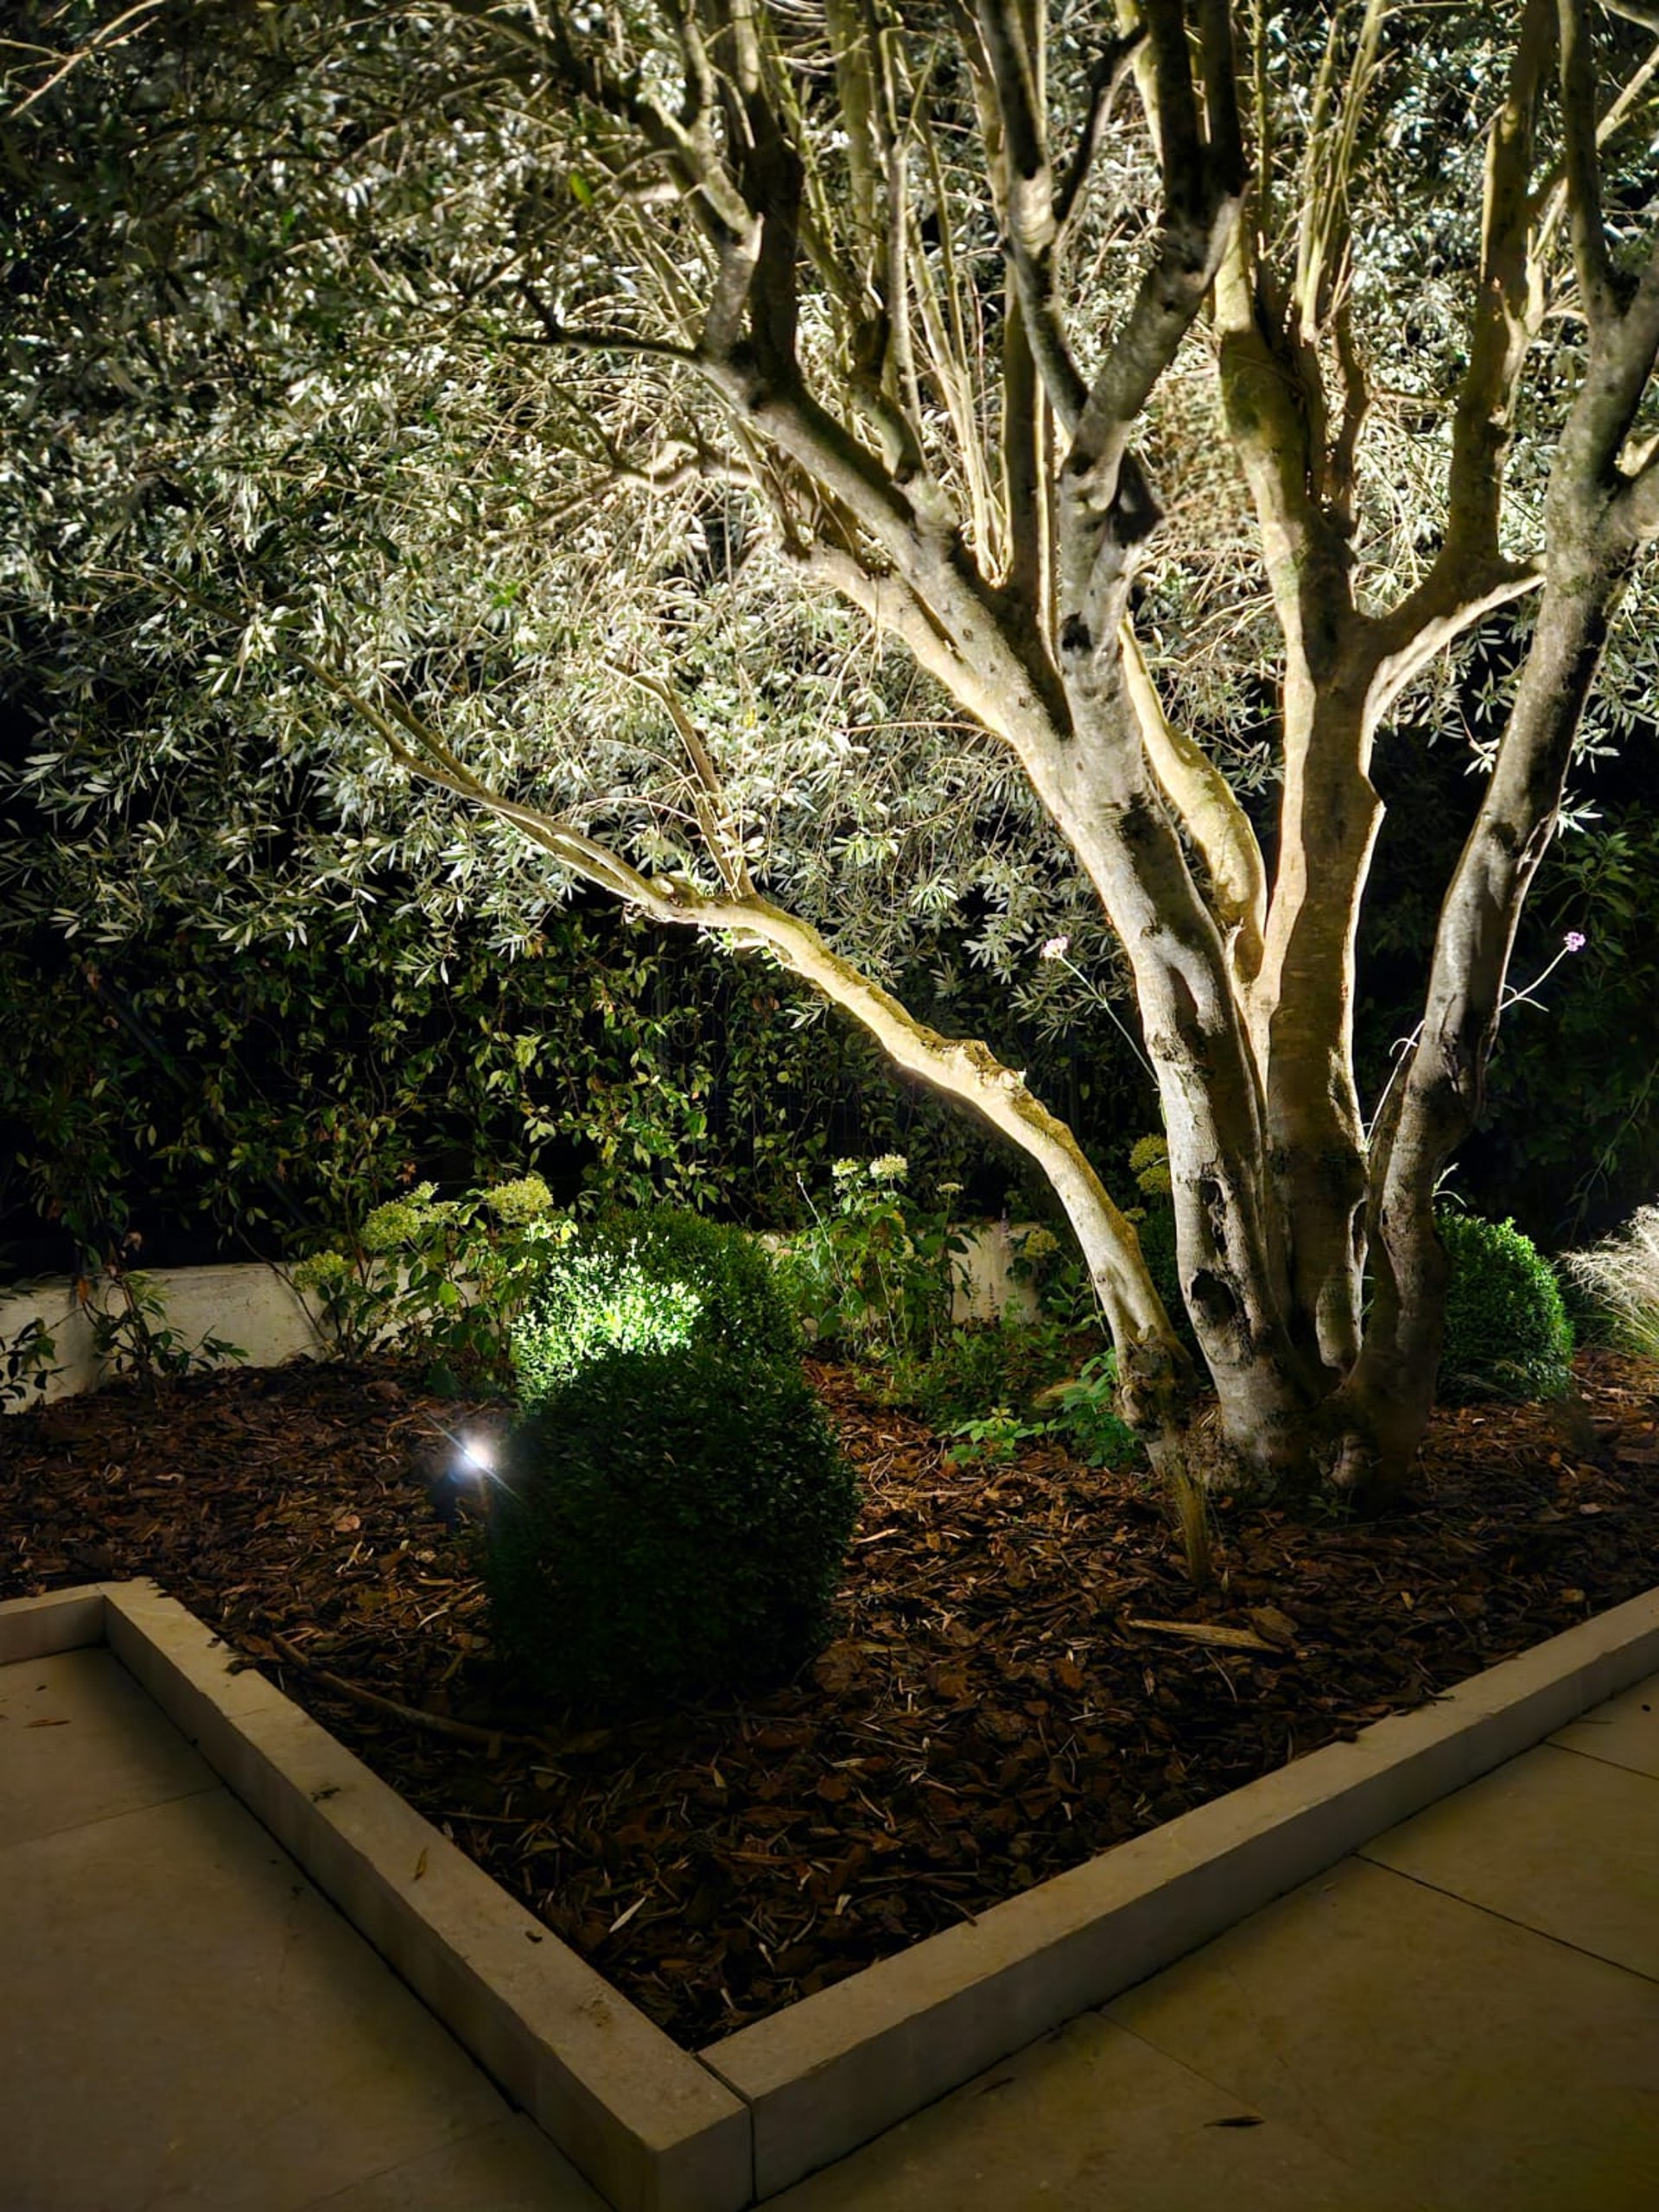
(1507, 1333)
(675, 1524)
(647, 1280)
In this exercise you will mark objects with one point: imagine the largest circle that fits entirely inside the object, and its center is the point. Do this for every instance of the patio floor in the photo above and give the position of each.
(1465, 2017)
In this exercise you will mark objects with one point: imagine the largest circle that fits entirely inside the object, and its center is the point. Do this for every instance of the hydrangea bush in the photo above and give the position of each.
(442, 1278)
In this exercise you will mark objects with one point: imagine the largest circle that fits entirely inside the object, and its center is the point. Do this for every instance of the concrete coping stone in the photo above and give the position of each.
(658, 2130)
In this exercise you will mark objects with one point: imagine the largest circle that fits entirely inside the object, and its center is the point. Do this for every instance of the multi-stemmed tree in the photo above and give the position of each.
(1150, 387)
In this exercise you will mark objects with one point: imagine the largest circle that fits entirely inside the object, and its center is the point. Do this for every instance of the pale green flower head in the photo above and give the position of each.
(525, 1200)
(1040, 1244)
(318, 1270)
(892, 1167)
(846, 1171)
(400, 1221)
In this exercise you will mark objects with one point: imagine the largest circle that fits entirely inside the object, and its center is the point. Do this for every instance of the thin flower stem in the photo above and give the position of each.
(1101, 999)
(1574, 942)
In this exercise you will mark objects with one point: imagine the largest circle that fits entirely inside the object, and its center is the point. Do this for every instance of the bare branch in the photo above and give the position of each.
(1507, 312)
(1411, 638)
(1201, 201)
(1104, 85)
(593, 338)
(713, 808)
(1549, 199)
(1209, 811)
(1106, 503)
(1152, 1361)
(1583, 169)
(1029, 216)
(127, 25)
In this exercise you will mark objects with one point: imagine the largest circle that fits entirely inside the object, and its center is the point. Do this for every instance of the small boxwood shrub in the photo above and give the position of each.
(638, 1281)
(674, 1523)
(1507, 1333)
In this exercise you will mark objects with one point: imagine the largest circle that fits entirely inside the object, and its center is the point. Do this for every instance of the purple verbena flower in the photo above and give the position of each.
(1574, 940)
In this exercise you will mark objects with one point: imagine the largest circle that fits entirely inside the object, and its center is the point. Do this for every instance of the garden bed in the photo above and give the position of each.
(995, 1707)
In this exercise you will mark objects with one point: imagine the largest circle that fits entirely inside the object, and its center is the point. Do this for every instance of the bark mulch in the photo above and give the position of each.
(1001, 1700)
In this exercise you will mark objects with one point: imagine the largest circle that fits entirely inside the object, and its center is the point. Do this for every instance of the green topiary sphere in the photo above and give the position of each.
(634, 1281)
(675, 1524)
(1507, 1333)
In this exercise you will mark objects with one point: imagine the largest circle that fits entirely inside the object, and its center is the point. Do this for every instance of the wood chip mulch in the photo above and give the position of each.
(1000, 1702)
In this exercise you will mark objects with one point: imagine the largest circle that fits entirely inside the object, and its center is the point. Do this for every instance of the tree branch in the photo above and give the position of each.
(1507, 315)
(1152, 1367)
(1030, 229)
(713, 808)
(1201, 194)
(1637, 505)
(1582, 168)
(1113, 65)
(1210, 813)
(1107, 508)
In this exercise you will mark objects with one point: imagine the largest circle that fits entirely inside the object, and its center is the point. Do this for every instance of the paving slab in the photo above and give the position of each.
(1559, 1842)
(1624, 1731)
(188, 2023)
(1462, 2061)
(509, 2167)
(80, 1742)
(1089, 2119)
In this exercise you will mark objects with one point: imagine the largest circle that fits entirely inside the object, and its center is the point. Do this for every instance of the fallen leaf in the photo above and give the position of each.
(1269, 1621)
(420, 1864)
(1235, 1639)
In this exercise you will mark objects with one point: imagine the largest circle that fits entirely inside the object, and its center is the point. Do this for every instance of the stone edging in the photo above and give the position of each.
(657, 2130)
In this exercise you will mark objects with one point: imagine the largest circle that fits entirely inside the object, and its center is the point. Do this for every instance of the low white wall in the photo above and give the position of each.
(985, 1280)
(257, 1308)
(254, 1307)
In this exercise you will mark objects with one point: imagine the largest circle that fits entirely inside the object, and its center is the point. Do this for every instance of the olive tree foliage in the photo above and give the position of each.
(809, 470)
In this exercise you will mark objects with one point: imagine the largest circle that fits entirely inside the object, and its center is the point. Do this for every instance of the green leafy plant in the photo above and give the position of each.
(28, 1363)
(1621, 1274)
(977, 1366)
(132, 1339)
(1080, 1414)
(994, 1436)
(246, 1085)
(877, 1273)
(674, 1523)
(1086, 1419)
(1507, 1333)
(442, 1279)
(656, 1281)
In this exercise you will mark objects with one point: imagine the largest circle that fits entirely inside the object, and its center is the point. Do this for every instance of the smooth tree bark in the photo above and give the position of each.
(1308, 1259)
